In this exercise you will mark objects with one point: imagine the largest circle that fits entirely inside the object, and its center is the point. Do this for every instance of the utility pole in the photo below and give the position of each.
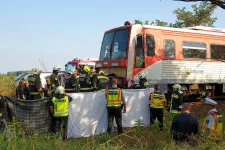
(43, 66)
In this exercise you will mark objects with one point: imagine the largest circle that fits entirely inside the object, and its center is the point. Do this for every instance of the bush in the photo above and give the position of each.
(7, 85)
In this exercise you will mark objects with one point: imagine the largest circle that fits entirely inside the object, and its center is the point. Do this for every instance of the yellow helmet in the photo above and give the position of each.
(87, 69)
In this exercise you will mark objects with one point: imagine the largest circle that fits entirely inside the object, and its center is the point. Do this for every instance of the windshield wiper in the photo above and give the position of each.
(121, 54)
(106, 57)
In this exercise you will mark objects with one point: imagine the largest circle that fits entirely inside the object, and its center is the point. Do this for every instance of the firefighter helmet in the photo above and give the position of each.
(56, 67)
(60, 90)
(36, 71)
(141, 75)
(177, 87)
(87, 68)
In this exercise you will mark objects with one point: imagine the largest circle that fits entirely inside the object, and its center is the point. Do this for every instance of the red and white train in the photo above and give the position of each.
(192, 57)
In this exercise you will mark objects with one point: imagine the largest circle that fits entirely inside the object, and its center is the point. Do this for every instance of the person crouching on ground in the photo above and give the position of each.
(59, 109)
(184, 125)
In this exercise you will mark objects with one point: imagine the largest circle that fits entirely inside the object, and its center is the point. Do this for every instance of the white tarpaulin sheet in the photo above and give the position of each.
(88, 114)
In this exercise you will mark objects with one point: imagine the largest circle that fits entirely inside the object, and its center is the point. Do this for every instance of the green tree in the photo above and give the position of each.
(156, 22)
(200, 15)
(220, 3)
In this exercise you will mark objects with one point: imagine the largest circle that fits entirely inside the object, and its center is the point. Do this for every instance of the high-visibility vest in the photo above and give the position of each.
(114, 97)
(60, 106)
(215, 133)
(157, 100)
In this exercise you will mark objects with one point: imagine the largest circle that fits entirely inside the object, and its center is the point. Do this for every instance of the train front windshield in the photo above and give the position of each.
(114, 45)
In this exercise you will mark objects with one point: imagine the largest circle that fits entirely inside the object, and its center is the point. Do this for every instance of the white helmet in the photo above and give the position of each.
(177, 87)
(59, 90)
(56, 67)
(141, 75)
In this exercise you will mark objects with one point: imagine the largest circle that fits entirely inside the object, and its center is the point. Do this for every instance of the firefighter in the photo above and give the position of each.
(54, 81)
(59, 109)
(20, 90)
(72, 82)
(101, 81)
(157, 103)
(85, 81)
(81, 69)
(142, 81)
(93, 79)
(115, 100)
(176, 101)
(213, 123)
(75, 81)
(35, 86)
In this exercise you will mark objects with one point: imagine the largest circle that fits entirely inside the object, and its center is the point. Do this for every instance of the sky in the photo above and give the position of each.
(56, 31)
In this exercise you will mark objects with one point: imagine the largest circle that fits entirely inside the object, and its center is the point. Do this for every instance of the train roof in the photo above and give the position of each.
(195, 29)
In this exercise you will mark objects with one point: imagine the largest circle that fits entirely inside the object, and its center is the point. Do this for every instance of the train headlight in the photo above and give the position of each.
(98, 65)
(115, 64)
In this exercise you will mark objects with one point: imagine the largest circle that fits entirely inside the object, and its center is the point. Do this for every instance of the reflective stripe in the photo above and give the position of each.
(84, 89)
(146, 84)
(34, 93)
(157, 99)
(31, 79)
(114, 97)
(102, 77)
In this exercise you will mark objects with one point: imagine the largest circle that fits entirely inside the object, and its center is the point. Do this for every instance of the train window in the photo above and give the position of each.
(150, 42)
(217, 51)
(169, 49)
(194, 50)
(140, 58)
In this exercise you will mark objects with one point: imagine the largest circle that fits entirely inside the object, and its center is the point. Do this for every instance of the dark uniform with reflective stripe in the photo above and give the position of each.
(100, 82)
(157, 102)
(114, 99)
(85, 82)
(143, 83)
(72, 84)
(35, 87)
(176, 103)
(54, 80)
